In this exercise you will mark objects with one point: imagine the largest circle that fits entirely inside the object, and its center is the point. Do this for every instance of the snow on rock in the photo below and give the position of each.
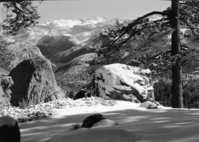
(104, 123)
(151, 105)
(123, 82)
(91, 120)
(9, 130)
(7, 120)
(5, 83)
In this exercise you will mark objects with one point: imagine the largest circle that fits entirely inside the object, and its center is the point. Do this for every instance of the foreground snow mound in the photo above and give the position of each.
(43, 110)
(123, 82)
(134, 124)
(99, 135)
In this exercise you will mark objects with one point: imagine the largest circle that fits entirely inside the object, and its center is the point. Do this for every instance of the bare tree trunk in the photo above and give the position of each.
(177, 96)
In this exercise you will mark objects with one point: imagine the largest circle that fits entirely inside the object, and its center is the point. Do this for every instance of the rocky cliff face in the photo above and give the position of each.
(15, 52)
(5, 93)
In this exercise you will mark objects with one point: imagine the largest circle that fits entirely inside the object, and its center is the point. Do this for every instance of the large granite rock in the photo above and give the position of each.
(80, 94)
(123, 82)
(5, 93)
(34, 82)
(9, 130)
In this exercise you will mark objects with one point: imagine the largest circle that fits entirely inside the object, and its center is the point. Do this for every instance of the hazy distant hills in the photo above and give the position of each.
(78, 30)
(64, 40)
(68, 44)
(51, 45)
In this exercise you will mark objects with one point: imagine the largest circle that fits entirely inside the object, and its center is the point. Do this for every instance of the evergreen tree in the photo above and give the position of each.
(144, 32)
(19, 14)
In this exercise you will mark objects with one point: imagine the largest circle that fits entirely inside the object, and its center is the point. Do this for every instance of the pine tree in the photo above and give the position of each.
(147, 34)
(19, 14)
(177, 98)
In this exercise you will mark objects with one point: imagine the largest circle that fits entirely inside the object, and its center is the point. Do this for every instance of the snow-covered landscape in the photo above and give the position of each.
(99, 71)
(135, 124)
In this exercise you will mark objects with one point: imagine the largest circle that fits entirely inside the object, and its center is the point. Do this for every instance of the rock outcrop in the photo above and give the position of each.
(5, 93)
(123, 82)
(91, 120)
(9, 130)
(51, 45)
(97, 120)
(34, 82)
(81, 94)
(3, 71)
(15, 52)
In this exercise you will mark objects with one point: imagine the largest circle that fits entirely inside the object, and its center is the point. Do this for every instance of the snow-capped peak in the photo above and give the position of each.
(63, 23)
(96, 20)
(154, 17)
(72, 23)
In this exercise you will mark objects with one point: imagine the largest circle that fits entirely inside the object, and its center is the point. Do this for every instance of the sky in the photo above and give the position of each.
(88, 9)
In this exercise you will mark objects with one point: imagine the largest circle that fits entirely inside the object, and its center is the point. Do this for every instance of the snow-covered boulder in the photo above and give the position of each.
(9, 130)
(91, 120)
(104, 123)
(148, 104)
(95, 121)
(123, 82)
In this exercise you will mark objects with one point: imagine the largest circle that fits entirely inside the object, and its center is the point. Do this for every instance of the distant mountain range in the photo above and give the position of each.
(60, 40)
(78, 30)
(67, 43)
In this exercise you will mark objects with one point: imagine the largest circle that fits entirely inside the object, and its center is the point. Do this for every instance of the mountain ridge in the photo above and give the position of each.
(72, 22)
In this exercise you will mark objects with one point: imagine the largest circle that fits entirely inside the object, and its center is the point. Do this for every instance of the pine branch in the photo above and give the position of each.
(133, 27)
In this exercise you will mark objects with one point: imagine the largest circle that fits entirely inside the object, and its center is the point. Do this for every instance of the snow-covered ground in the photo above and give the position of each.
(135, 124)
